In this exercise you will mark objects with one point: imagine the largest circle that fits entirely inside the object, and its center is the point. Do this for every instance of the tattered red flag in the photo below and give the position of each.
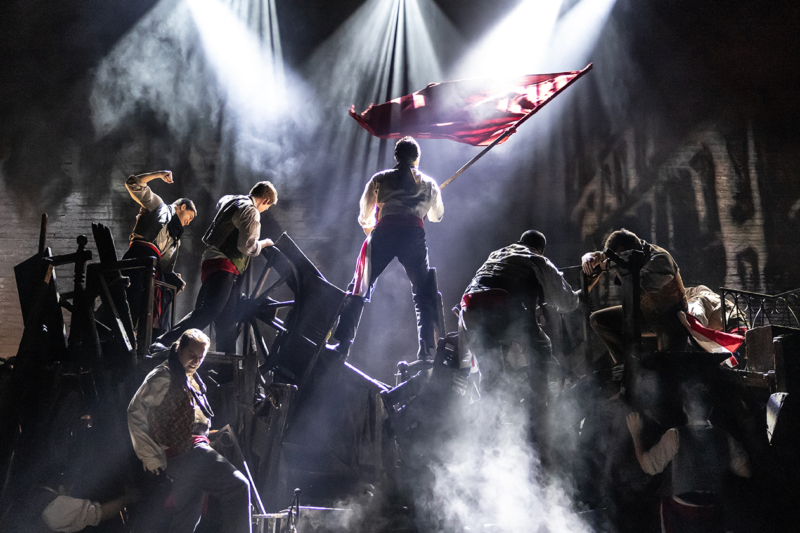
(474, 111)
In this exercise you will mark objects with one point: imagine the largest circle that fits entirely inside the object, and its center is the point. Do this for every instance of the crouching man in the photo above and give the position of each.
(498, 309)
(662, 296)
(168, 420)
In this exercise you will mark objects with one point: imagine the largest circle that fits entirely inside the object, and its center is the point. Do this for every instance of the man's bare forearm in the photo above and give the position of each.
(150, 176)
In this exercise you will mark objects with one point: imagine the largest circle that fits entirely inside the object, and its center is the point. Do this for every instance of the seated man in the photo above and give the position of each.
(168, 420)
(157, 233)
(698, 455)
(662, 296)
(499, 305)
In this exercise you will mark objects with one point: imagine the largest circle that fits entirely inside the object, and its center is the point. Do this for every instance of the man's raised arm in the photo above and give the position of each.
(141, 192)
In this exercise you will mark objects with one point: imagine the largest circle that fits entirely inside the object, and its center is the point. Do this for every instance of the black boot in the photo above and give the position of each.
(348, 324)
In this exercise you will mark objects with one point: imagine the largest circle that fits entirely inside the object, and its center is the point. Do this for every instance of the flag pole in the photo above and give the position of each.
(511, 130)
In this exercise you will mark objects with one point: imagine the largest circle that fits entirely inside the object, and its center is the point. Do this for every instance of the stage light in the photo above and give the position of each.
(242, 51)
(576, 34)
(384, 50)
(156, 67)
(516, 45)
(538, 37)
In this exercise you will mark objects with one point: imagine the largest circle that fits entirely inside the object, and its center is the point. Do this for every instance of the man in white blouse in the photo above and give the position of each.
(169, 419)
(392, 209)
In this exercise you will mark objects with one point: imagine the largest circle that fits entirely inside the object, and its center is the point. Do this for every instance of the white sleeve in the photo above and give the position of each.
(656, 459)
(248, 221)
(143, 194)
(436, 211)
(366, 215)
(68, 514)
(557, 292)
(149, 396)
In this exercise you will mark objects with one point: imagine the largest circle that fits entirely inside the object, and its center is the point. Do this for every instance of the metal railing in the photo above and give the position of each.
(757, 309)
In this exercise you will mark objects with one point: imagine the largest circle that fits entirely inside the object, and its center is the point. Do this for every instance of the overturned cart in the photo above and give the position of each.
(305, 418)
(301, 417)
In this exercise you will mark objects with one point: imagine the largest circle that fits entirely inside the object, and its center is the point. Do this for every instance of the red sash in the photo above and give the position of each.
(488, 298)
(211, 266)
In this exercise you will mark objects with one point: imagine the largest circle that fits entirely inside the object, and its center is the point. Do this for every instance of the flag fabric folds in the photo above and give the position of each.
(363, 269)
(711, 340)
(473, 111)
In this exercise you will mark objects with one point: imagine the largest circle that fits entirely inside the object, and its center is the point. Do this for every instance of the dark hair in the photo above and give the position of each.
(697, 400)
(190, 335)
(534, 239)
(623, 240)
(265, 189)
(188, 203)
(406, 151)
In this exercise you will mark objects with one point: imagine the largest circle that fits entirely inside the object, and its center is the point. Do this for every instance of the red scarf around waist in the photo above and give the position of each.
(147, 245)
(196, 441)
(157, 291)
(212, 266)
(488, 298)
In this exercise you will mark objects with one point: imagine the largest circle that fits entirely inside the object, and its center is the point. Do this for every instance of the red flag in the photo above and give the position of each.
(473, 111)
(710, 340)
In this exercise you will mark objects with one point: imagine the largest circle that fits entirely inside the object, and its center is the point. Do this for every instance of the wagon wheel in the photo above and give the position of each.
(274, 300)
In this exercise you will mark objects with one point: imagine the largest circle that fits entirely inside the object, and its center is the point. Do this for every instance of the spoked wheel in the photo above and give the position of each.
(273, 302)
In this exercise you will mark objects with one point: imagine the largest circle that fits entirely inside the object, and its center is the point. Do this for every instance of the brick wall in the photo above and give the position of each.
(19, 238)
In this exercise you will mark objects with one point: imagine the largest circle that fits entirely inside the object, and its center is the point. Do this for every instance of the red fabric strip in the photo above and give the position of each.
(196, 441)
(728, 341)
(200, 439)
(490, 298)
(212, 266)
(148, 245)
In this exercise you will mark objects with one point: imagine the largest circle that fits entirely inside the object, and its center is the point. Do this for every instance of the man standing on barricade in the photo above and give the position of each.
(157, 233)
(393, 206)
(231, 241)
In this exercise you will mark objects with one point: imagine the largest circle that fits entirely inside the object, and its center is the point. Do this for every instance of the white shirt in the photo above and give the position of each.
(68, 514)
(149, 396)
(424, 200)
(656, 459)
(150, 201)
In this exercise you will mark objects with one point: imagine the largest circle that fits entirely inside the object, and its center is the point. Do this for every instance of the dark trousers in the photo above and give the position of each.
(135, 290)
(609, 324)
(202, 470)
(216, 302)
(407, 244)
(489, 333)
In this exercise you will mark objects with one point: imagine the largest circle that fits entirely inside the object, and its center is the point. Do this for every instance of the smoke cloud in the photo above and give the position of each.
(491, 478)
